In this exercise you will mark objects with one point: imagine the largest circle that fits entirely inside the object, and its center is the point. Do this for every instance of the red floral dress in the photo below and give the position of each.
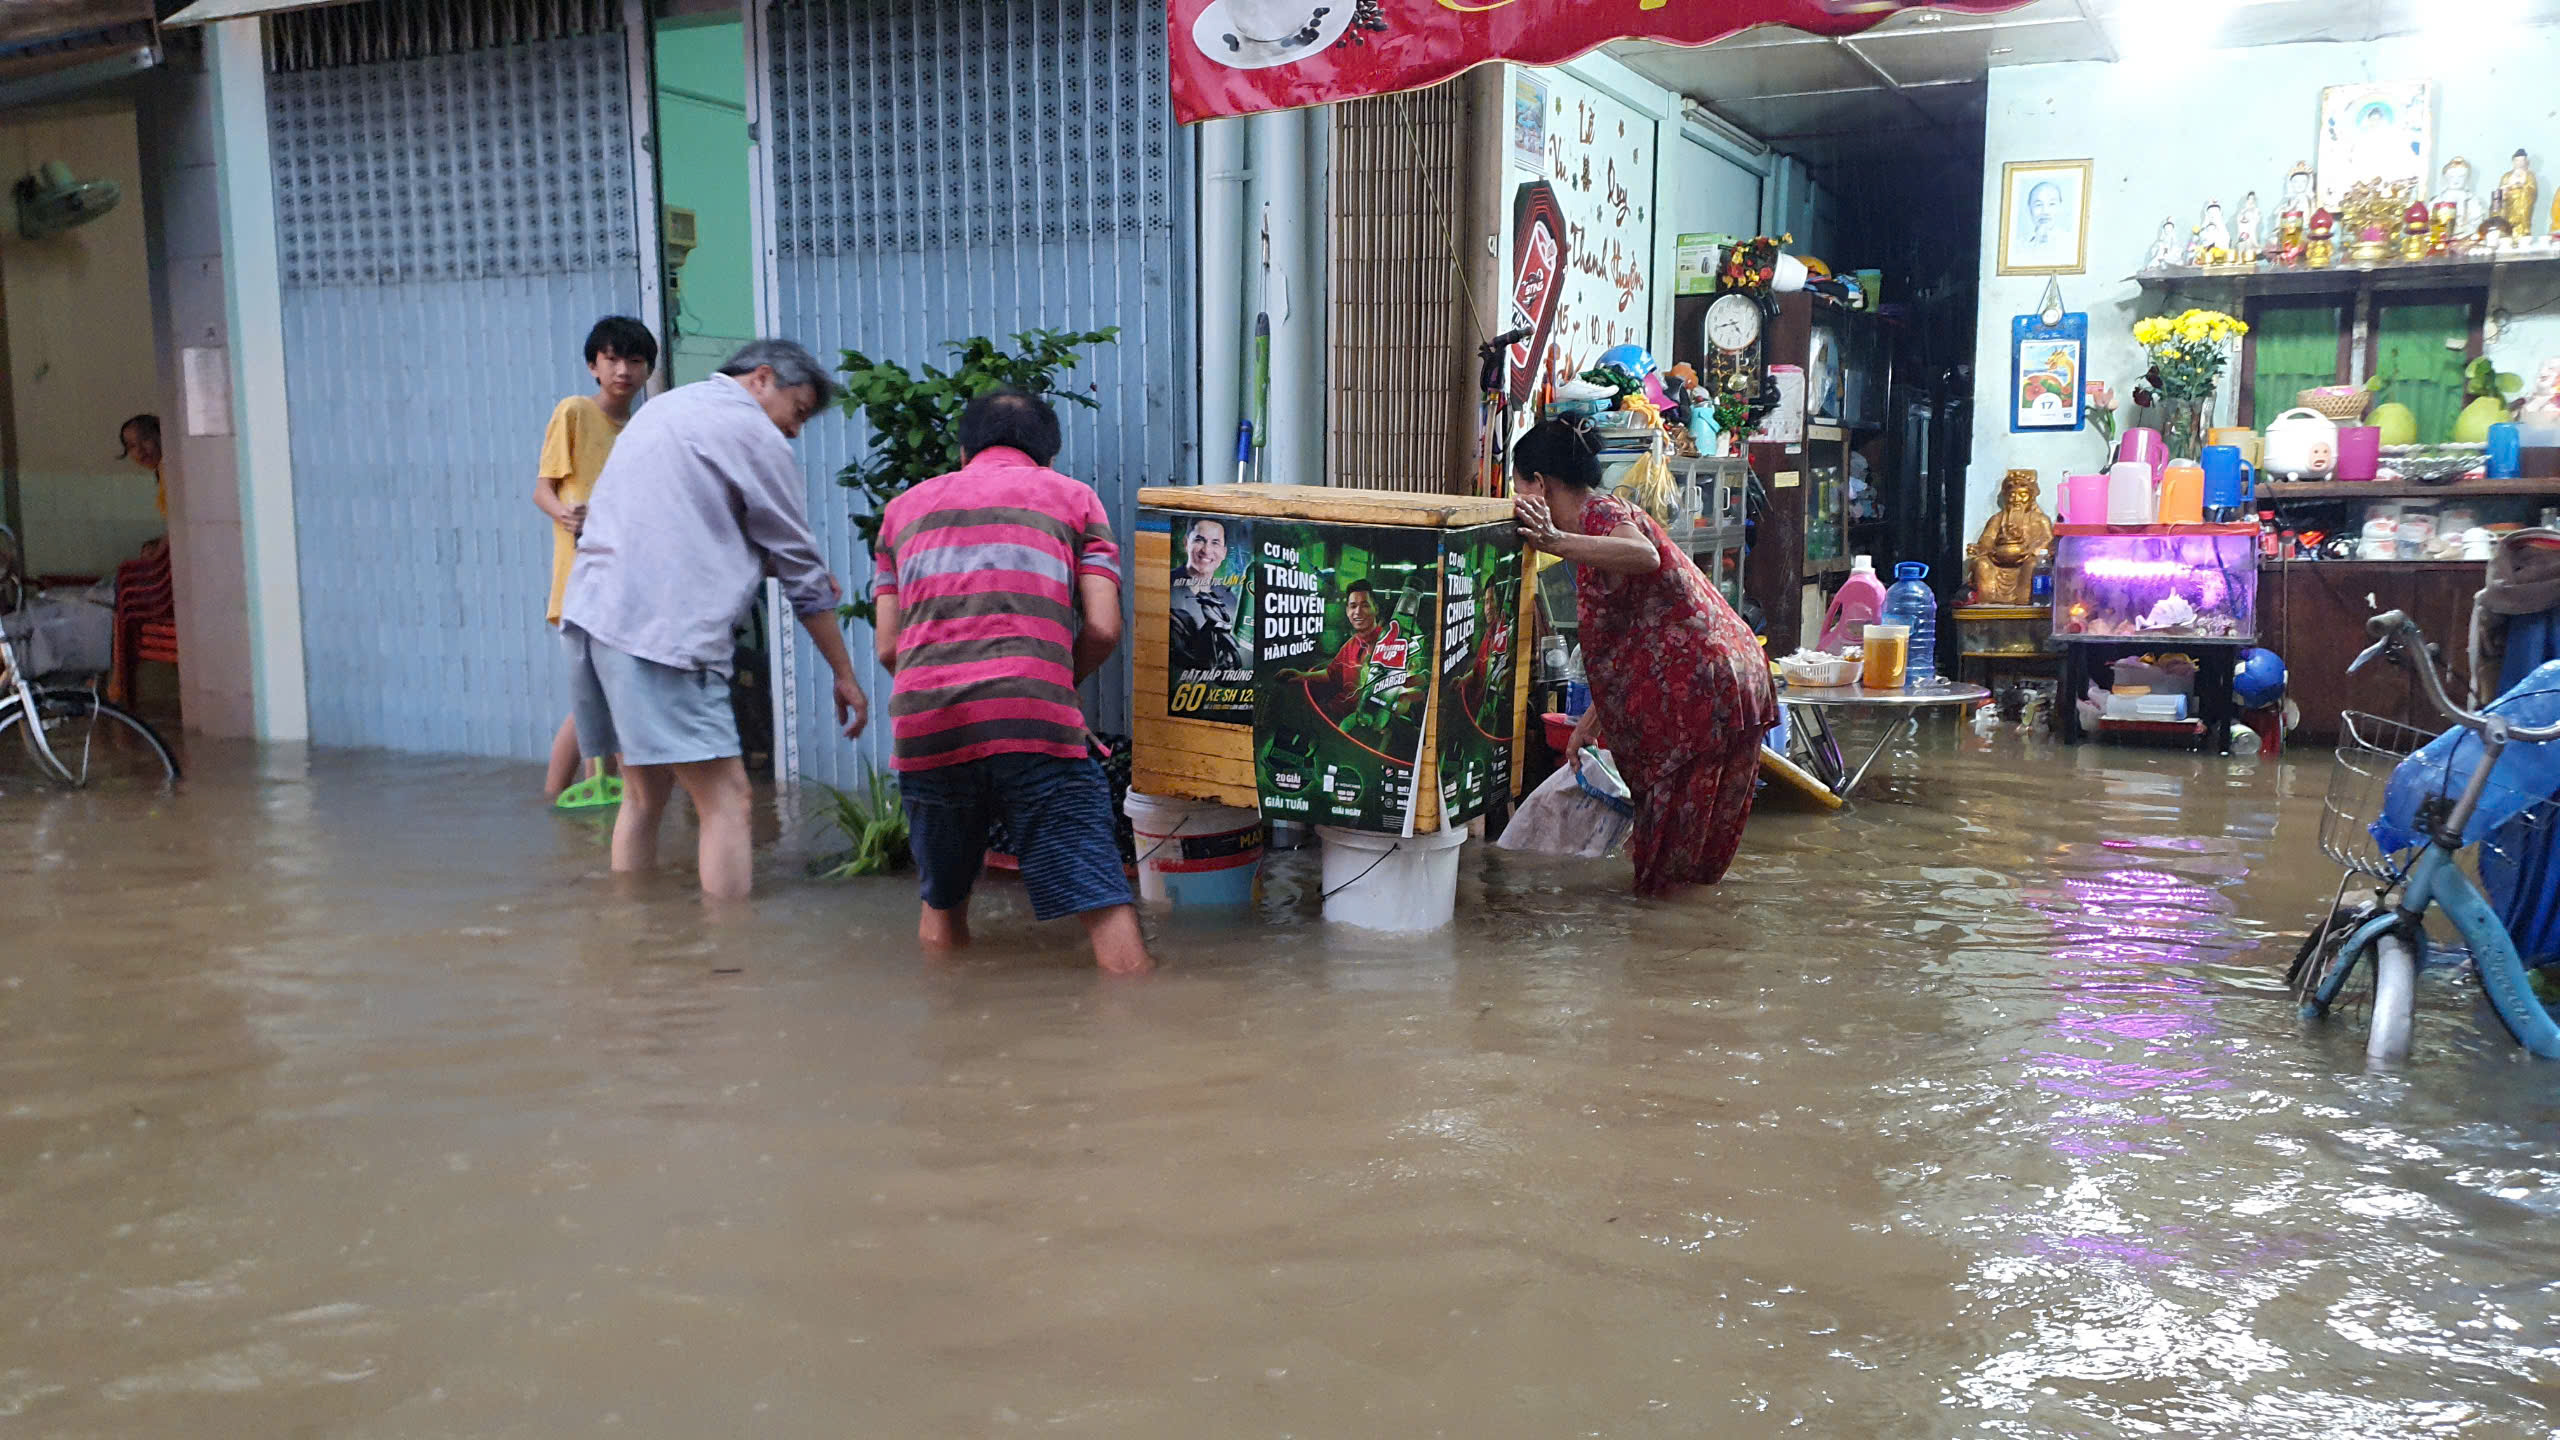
(1684, 698)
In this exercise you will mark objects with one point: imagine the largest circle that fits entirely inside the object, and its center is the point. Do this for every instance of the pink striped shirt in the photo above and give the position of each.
(984, 563)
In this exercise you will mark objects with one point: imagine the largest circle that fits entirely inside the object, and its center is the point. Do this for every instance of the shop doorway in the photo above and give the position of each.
(698, 55)
(703, 159)
(80, 387)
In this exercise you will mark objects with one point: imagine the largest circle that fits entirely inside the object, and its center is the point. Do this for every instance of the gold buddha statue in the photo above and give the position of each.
(2004, 559)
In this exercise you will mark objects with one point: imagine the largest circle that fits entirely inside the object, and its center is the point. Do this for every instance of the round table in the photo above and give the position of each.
(1902, 708)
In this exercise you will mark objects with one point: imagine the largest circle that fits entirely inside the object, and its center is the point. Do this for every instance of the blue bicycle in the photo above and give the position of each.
(2400, 781)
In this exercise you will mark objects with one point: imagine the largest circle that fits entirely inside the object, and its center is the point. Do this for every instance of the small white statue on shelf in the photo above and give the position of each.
(2252, 234)
(2164, 251)
(2543, 401)
(2468, 208)
(2213, 238)
(2297, 188)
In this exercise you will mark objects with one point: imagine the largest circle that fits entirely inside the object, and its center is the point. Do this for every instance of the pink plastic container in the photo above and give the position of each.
(1859, 604)
(2359, 452)
(2084, 500)
(2146, 446)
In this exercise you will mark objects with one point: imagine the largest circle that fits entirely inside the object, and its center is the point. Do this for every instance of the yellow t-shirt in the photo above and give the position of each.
(574, 448)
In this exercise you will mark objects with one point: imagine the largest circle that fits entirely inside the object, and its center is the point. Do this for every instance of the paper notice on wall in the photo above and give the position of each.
(1784, 425)
(204, 373)
(1699, 258)
(1529, 120)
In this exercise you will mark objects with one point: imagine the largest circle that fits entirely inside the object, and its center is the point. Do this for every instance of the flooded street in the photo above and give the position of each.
(349, 1097)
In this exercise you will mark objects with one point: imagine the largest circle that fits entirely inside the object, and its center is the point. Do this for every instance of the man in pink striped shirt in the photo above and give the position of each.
(999, 592)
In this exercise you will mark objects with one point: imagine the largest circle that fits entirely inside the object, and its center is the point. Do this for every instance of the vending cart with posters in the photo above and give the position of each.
(1351, 659)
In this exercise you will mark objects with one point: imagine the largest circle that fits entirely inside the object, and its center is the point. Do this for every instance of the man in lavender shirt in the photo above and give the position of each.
(700, 502)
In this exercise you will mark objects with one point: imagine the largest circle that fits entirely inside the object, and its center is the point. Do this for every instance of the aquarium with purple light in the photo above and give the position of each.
(2187, 585)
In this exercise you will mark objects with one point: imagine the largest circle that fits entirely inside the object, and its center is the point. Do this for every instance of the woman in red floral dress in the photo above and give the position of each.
(1680, 691)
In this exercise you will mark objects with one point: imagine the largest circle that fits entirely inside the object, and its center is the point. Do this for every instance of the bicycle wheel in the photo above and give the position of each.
(2319, 951)
(83, 741)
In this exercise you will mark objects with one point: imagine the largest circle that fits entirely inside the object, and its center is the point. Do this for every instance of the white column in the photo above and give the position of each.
(640, 70)
(1282, 195)
(254, 299)
(1227, 255)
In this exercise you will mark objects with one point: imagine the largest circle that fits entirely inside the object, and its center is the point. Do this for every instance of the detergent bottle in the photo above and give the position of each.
(1859, 604)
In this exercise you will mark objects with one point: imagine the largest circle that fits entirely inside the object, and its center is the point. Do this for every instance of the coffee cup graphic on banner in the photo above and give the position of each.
(1258, 34)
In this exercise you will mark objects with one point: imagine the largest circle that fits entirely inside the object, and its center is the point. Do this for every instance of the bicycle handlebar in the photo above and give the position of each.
(2392, 630)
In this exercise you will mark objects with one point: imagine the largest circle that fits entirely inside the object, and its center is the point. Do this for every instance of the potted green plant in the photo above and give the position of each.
(915, 415)
(872, 823)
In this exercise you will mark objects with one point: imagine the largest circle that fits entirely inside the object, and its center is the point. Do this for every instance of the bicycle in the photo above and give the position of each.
(2389, 930)
(75, 737)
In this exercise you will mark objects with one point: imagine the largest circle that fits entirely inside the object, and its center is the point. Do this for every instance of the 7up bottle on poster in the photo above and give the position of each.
(1385, 675)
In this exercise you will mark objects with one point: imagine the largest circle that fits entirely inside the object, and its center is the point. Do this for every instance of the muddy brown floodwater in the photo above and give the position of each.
(345, 1096)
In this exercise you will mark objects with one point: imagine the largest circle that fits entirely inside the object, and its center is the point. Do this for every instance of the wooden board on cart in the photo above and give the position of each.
(1326, 505)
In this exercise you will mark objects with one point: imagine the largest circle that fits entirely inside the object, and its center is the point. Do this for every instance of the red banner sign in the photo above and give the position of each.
(1237, 57)
(1537, 282)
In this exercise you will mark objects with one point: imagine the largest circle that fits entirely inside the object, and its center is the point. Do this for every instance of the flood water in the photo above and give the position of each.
(347, 1096)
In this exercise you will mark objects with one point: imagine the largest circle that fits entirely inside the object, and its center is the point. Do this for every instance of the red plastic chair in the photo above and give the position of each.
(146, 620)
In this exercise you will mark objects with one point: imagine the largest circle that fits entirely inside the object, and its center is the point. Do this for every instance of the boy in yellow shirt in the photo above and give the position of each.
(621, 353)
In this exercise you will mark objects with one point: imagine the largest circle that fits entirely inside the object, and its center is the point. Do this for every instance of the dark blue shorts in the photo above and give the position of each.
(1056, 814)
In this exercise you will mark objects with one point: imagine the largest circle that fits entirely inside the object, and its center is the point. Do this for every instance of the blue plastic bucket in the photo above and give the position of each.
(1195, 855)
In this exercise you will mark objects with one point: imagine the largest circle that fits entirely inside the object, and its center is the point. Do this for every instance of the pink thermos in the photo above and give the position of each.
(2146, 446)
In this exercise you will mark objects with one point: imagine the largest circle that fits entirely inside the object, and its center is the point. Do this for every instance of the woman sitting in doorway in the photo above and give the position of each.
(140, 438)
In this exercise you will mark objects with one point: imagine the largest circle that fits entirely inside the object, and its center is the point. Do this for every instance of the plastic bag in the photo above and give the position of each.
(2526, 775)
(1585, 814)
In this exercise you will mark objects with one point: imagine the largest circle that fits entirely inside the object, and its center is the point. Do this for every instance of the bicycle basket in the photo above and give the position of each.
(2370, 748)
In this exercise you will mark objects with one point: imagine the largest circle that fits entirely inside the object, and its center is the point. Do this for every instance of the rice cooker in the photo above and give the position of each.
(2302, 444)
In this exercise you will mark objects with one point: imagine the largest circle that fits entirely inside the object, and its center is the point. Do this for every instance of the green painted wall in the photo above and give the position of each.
(702, 167)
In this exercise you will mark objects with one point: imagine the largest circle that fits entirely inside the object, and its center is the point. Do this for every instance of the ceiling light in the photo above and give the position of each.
(2450, 35)
(2159, 30)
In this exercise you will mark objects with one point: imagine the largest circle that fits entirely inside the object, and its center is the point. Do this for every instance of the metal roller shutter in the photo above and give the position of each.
(948, 168)
(454, 199)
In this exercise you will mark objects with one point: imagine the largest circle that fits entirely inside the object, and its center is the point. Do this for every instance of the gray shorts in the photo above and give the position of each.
(648, 713)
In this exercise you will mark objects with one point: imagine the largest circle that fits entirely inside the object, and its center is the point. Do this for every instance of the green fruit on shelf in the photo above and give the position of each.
(2471, 427)
(2398, 423)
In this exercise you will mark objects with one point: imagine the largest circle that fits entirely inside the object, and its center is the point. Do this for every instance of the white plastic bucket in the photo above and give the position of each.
(1193, 854)
(1387, 882)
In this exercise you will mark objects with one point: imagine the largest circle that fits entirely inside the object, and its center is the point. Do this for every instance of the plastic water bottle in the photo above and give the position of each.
(1911, 602)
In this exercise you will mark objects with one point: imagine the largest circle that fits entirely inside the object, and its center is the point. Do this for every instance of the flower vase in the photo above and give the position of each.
(2182, 424)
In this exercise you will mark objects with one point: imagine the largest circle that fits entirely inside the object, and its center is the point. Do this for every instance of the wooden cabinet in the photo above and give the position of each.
(2313, 613)
(1807, 530)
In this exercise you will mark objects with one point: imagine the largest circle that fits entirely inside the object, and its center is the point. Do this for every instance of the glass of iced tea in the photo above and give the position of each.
(1888, 656)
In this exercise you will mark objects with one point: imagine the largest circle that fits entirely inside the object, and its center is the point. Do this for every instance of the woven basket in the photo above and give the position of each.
(2346, 406)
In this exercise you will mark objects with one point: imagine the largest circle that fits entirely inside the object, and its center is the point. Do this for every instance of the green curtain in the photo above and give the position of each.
(2297, 350)
(2420, 351)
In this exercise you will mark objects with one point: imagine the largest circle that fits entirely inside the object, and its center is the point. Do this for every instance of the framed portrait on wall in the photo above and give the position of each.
(2374, 132)
(2044, 217)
